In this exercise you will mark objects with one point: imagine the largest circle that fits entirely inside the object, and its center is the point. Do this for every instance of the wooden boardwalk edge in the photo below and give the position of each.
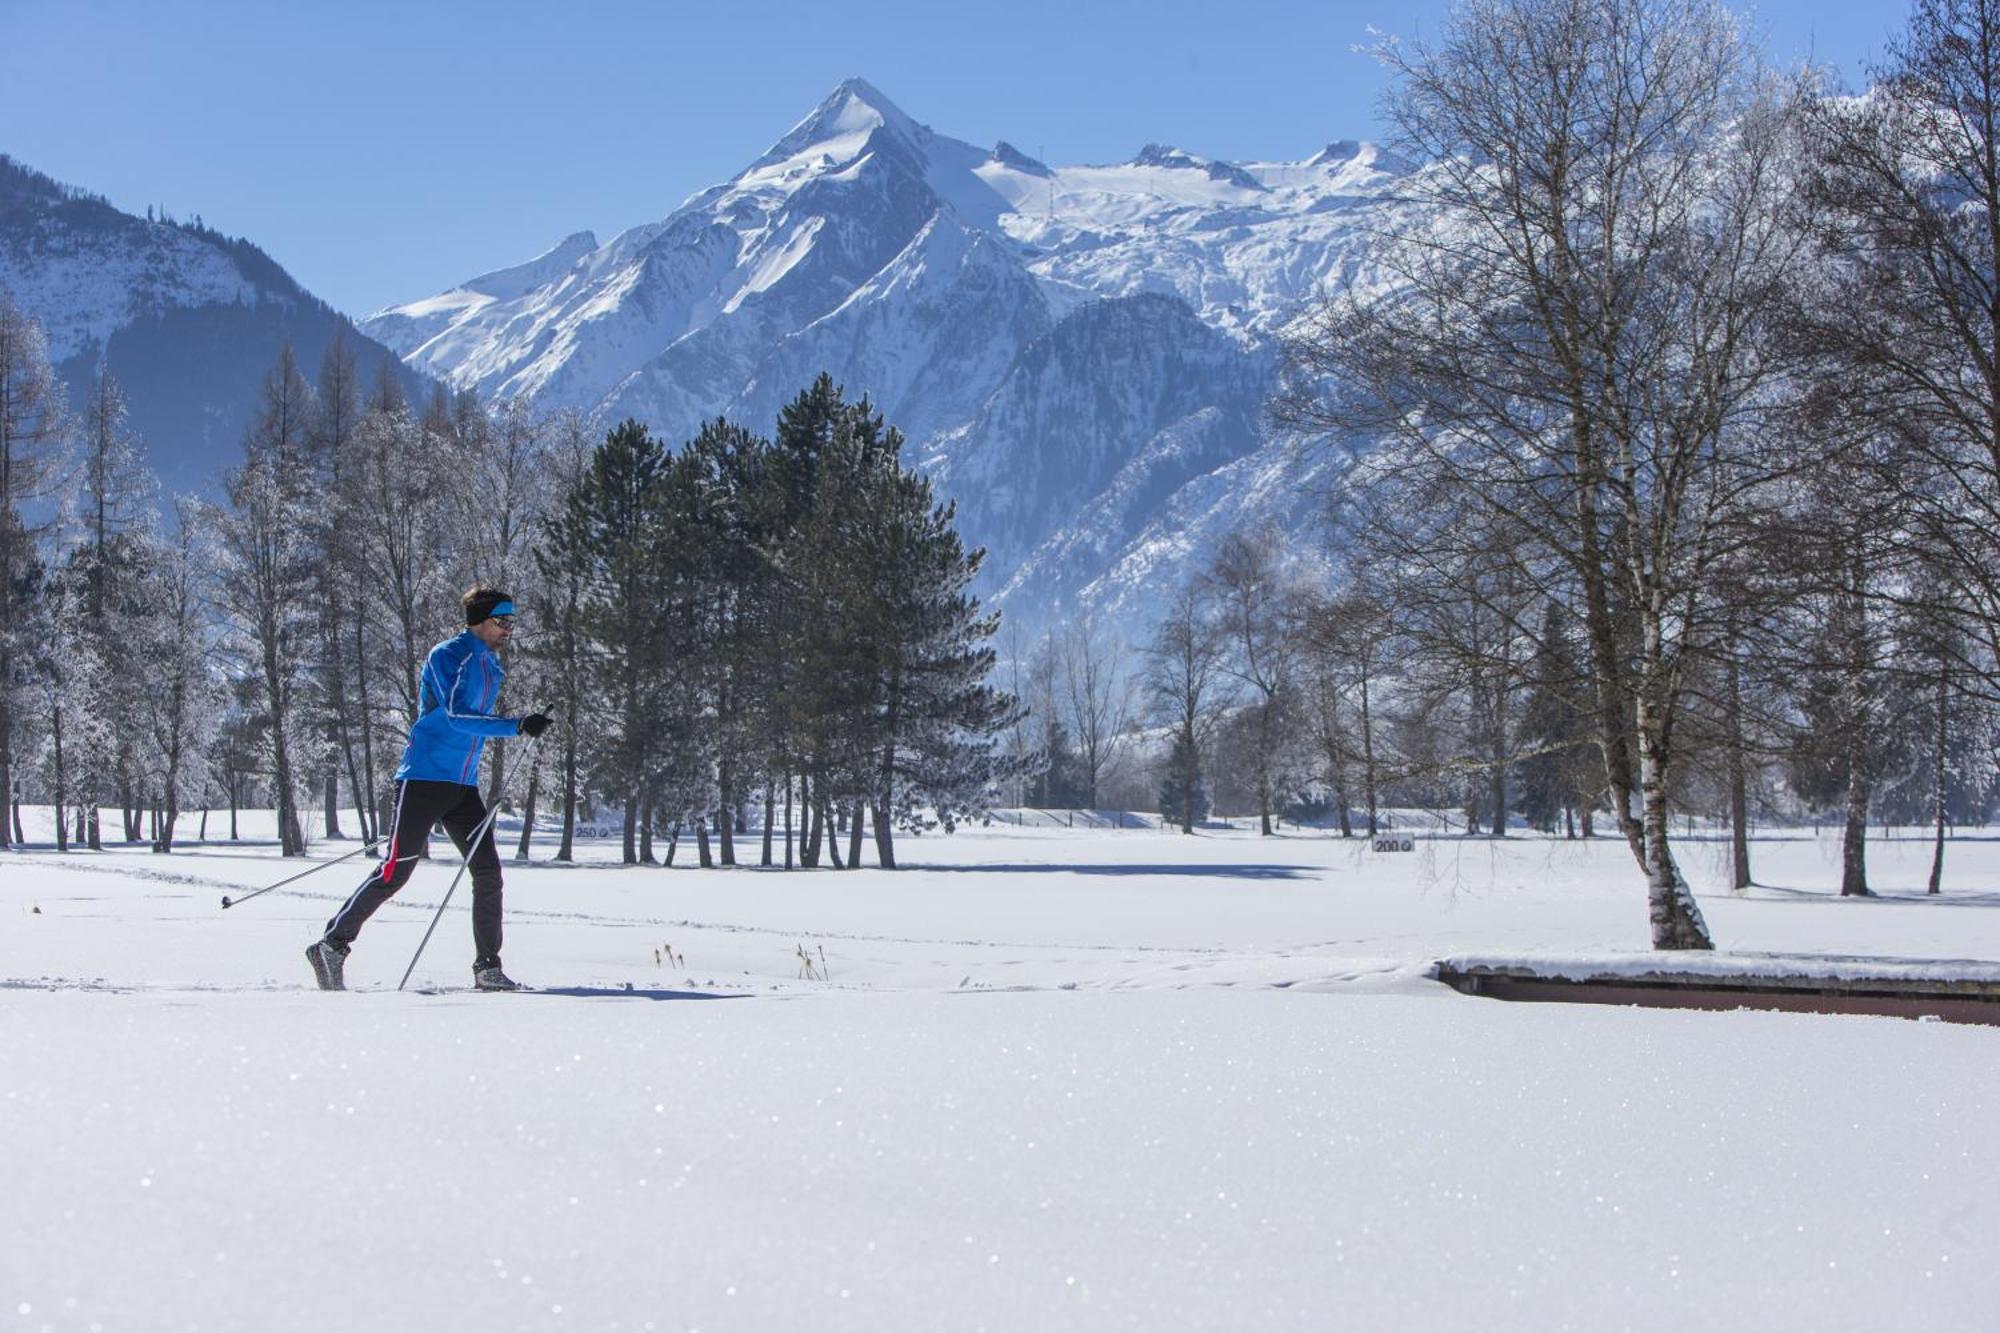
(1970, 1001)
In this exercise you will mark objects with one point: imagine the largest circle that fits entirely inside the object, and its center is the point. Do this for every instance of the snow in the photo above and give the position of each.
(1055, 1079)
(802, 263)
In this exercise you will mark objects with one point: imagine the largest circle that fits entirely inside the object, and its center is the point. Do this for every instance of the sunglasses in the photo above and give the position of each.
(504, 622)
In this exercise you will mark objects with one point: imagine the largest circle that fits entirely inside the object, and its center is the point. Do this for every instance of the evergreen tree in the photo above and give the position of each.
(608, 539)
(558, 645)
(1183, 793)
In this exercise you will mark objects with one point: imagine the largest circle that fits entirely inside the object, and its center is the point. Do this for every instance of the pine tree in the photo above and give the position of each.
(559, 647)
(607, 539)
(1183, 793)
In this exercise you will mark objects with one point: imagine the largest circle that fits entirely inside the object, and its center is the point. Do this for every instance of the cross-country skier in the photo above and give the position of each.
(438, 780)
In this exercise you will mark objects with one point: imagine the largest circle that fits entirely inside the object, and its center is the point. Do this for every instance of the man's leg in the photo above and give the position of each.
(461, 821)
(418, 805)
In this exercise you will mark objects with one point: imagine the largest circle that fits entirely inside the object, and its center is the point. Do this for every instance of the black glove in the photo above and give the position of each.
(534, 724)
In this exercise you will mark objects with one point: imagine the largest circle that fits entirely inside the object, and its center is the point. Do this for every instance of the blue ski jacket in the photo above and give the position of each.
(460, 684)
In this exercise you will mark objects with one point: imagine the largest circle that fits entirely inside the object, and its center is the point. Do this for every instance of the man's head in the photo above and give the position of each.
(489, 614)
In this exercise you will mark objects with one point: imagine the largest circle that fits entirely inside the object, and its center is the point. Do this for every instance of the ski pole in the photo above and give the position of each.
(465, 863)
(228, 902)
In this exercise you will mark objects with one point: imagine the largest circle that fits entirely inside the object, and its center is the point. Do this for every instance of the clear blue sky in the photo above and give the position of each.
(385, 151)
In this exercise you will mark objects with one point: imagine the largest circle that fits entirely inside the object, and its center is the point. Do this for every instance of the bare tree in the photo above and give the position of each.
(1906, 197)
(1347, 642)
(1097, 694)
(180, 712)
(1258, 618)
(336, 411)
(271, 575)
(1573, 335)
(1183, 678)
(33, 429)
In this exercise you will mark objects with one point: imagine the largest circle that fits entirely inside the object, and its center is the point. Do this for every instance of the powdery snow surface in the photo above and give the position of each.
(1104, 1079)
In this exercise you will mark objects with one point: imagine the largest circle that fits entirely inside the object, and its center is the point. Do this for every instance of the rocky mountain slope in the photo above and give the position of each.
(1082, 356)
(189, 321)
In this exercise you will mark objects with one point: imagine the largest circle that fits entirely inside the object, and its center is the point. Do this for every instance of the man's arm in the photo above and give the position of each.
(461, 708)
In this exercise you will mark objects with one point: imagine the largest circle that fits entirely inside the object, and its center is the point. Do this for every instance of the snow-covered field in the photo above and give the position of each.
(1040, 1079)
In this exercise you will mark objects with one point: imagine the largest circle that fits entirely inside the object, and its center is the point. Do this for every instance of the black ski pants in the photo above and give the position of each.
(419, 806)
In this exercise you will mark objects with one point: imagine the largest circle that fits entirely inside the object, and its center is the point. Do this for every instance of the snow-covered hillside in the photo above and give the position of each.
(1075, 353)
(188, 320)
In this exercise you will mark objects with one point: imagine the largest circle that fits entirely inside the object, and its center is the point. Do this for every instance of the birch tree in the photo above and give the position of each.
(1575, 335)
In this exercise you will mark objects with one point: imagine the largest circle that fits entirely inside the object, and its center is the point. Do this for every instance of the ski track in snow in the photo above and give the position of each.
(1186, 1097)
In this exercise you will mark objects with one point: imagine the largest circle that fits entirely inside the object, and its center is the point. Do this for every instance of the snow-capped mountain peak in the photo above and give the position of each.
(1160, 155)
(1061, 345)
(838, 130)
(507, 283)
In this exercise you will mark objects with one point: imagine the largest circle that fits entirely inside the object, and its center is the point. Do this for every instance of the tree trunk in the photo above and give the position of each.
(1676, 918)
(770, 814)
(1496, 794)
(1606, 659)
(1368, 755)
(809, 803)
(854, 836)
(566, 852)
(528, 812)
(725, 815)
(8, 837)
(291, 840)
(885, 772)
(62, 788)
(356, 788)
(1739, 785)
(788, 821)
(330, 799)
(825, 821)
(1190, 762)
(701, 842)
(1266, 746)
(365, 791)
(1854, 838)
(631, 848)
(885, 839)
(646, 831)
(1938, 771)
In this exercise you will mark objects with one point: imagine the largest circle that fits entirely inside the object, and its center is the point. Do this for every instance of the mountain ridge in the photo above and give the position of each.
(936, 277)
(187, 319)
